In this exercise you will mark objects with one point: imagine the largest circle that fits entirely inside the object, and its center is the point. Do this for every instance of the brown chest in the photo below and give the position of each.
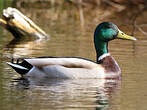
(110, 65)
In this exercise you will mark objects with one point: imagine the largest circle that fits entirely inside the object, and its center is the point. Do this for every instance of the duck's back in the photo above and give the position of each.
(65, 68)
(62, 67)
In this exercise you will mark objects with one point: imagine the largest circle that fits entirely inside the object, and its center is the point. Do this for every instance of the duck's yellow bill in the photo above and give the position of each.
(122, 35)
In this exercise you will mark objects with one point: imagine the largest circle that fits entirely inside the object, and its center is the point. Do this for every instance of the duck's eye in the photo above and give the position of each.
(107, 26)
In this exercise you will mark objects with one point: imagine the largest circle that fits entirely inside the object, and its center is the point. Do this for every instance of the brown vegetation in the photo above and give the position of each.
(77, 9)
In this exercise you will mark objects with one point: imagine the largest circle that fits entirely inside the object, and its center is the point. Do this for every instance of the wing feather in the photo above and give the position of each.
(66, 62)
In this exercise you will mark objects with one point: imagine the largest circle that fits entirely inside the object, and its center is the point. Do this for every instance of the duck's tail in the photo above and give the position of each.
(21, 66)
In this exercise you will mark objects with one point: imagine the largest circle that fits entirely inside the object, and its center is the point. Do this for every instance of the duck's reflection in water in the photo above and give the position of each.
(55, 93)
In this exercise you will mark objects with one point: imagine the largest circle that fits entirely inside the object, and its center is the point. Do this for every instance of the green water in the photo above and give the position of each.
(70, 37)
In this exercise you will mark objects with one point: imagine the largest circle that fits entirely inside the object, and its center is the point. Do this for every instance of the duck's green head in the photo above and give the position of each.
(106, 32)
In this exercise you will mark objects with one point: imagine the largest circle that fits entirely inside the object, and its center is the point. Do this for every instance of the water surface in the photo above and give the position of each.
(70, 37)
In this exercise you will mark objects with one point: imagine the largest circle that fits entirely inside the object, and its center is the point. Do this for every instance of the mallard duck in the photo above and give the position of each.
(75, 67)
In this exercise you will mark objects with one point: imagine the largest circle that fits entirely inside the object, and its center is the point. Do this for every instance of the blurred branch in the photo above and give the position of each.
(81, 13)
(139, 28)
(52, 2)
(115, 5)
(19, 25)
(98, 2)
(135, 26)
